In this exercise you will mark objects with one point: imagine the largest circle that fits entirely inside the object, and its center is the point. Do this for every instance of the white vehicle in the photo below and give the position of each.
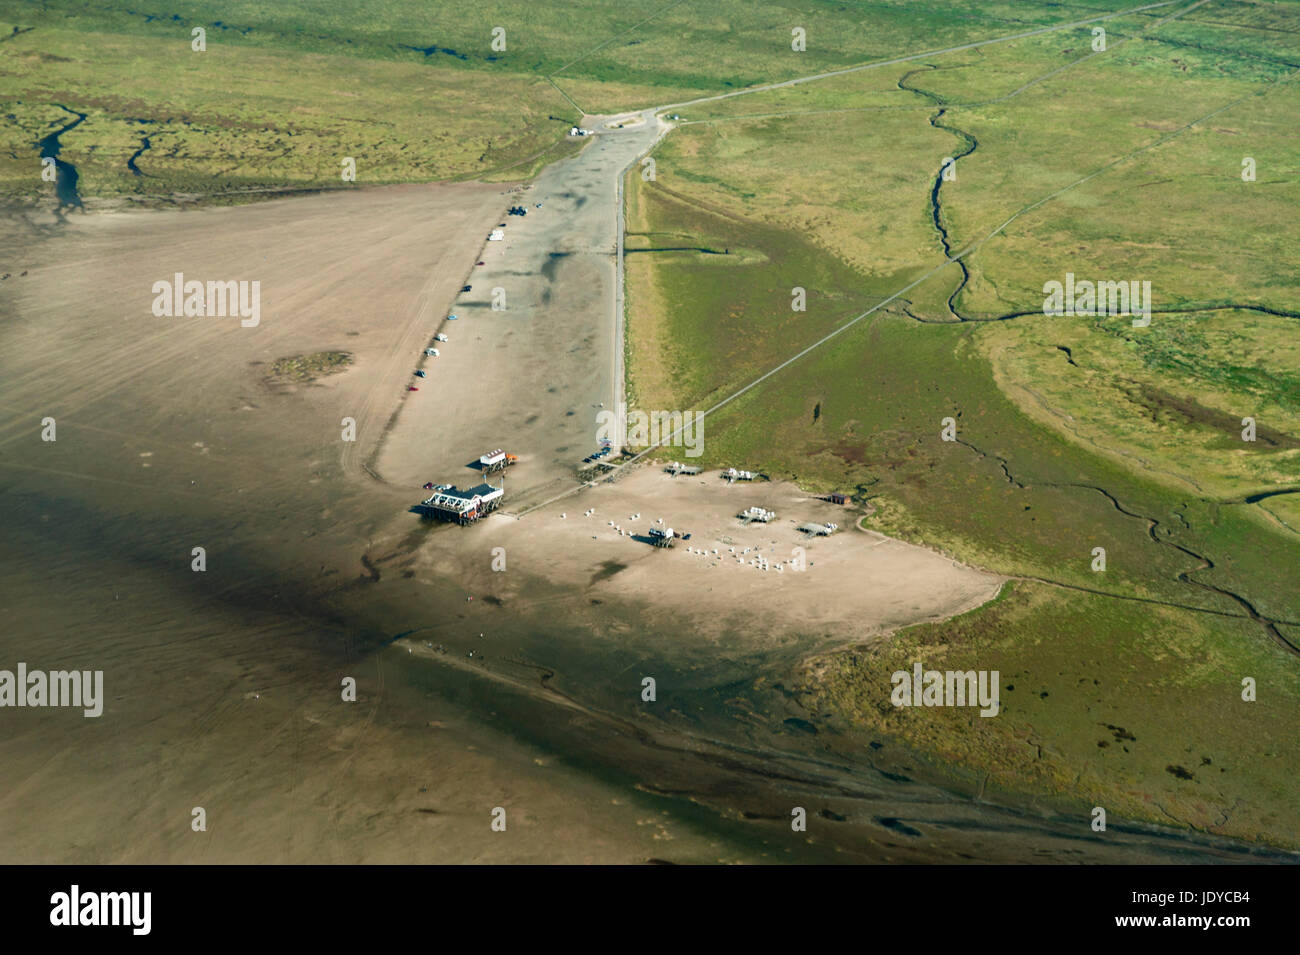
(496, 235)
(431, 352)
(440, 337)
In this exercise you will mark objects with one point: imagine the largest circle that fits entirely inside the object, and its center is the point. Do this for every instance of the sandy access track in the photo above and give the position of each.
(533, 376)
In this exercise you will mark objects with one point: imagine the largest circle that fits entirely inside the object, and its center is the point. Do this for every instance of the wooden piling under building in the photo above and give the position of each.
(464, 506)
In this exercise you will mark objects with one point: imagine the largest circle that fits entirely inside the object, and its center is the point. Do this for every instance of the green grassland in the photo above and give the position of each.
(215, 125)
(742, 284)
(852, 197)
(1073, 433)
(1125, 390)
(970, 77)
(1129, 219)
(664, 45)
(1145, 721)
(866, 151)
(412, 91)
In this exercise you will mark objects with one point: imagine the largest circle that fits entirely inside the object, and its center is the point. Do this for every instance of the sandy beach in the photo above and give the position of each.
(855, 585)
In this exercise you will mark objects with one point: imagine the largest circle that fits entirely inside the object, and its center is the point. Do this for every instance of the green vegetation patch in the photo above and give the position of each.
(162, 120)
(1102, 703)
(307, 368)
(1170, 397)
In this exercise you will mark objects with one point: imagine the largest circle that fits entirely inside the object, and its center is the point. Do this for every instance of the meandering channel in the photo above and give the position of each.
(145, 144)
(969, 145)
(65, 182)
(1269, 624)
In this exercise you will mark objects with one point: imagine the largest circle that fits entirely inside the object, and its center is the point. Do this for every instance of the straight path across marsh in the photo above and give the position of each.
(911, 57)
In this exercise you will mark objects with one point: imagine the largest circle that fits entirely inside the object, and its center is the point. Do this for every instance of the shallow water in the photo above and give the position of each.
(66, 176)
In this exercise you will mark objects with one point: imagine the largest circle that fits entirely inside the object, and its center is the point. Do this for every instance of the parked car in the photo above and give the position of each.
(468, 288)
(428, 485)
(412, 388)
(420, 374)
(480, 263)
(440, 337)
(452, 318)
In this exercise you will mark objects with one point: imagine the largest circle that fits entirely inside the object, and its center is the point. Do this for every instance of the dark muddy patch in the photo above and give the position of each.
(552, 264)
(607, 570)
(434, 50)
(1161, 404)
(897, 825)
